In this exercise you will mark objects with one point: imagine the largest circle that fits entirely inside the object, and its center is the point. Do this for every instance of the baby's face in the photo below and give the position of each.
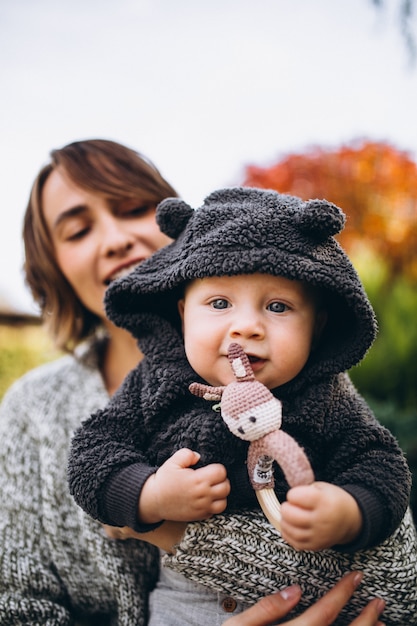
(274, 320)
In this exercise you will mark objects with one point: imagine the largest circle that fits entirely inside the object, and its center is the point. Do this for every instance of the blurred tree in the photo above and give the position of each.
(374, 183)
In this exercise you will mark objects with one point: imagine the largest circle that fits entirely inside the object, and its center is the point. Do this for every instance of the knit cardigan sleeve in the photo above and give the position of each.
(30, 591)
(56, 564)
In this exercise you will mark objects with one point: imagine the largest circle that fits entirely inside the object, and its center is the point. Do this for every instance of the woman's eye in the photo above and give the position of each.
(277, 307)
(140, 209)
(219, 303)
(78, 234)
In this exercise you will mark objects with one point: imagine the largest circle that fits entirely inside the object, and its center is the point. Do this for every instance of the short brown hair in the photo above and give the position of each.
(100, 166)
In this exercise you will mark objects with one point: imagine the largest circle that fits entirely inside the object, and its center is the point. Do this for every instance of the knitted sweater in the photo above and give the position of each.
(56, 565)
(153, 414)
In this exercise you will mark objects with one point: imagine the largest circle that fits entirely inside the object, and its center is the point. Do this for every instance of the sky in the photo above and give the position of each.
(201, 87)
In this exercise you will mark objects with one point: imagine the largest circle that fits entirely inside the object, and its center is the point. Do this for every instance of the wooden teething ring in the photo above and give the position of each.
(271, 506)
(281, 447)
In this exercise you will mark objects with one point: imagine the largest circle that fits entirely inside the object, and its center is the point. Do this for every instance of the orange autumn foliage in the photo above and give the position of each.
(374, 183)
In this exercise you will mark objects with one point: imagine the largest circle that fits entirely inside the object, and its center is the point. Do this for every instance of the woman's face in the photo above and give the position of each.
(96, 240)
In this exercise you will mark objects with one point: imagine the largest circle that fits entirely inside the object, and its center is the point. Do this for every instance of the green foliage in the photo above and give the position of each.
(22, 348)
(387, 377)
(389, 371)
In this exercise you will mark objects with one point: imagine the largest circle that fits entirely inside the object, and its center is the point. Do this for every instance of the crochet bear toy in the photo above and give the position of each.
(252, 413)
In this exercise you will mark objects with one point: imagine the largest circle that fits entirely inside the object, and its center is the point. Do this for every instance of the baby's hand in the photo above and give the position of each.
(319, 516)
(177, 492)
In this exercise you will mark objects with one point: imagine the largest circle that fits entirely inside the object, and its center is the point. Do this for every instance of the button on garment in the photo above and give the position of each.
(177, 601)
(229, 604)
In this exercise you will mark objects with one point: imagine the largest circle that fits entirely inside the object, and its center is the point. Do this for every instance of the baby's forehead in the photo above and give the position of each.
(258, 280)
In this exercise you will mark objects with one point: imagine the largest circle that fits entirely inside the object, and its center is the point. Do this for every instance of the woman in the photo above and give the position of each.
(90, 218)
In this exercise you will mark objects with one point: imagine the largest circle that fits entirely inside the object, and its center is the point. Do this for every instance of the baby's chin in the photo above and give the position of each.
(219, 382)
(221, 379)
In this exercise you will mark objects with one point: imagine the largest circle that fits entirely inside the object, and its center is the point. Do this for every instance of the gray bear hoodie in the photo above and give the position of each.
(240, 231)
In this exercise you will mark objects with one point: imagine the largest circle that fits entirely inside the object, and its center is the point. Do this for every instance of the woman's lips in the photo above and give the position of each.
(123, 271)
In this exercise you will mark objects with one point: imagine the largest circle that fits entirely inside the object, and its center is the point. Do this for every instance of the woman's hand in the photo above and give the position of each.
(166, 536)
(323, 613)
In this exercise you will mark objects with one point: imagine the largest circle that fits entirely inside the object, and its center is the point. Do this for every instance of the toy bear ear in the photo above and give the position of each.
(321, 219)
(172, 216)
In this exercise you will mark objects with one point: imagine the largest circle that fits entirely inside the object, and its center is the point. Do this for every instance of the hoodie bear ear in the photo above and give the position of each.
(172, 216)
(321, 219)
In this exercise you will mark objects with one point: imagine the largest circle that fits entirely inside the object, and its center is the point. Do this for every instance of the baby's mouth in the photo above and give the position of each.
(256, 362)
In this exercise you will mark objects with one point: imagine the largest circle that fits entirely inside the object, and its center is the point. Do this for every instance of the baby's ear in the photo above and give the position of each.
(320, 219)
(180, 305)
(172, 216)
(321, 321)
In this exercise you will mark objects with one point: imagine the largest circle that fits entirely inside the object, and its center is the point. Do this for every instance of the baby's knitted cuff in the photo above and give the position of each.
(120, 500)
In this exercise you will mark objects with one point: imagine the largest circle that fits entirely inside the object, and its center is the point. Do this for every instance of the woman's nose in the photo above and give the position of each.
(116, 237)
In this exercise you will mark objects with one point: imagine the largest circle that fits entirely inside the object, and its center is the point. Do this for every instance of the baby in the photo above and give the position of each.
(262, 270)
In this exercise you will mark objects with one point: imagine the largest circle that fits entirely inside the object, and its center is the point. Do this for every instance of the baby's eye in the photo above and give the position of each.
(219, 303)
(277, 307)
